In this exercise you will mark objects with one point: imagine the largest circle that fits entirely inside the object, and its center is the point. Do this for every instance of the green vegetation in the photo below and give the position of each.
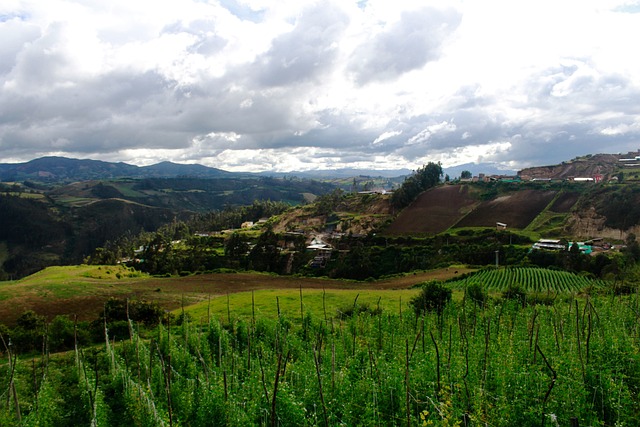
(426, 177)
(529, 279)
(503, 365)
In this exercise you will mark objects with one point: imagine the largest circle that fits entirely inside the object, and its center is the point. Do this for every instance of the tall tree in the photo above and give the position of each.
(424, 178)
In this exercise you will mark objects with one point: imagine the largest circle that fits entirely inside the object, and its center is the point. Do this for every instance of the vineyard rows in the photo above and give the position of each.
(529, 279)
(505, 365)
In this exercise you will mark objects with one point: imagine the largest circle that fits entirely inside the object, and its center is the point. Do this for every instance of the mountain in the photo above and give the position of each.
(342, 173)
(170, 169)
(62, 169)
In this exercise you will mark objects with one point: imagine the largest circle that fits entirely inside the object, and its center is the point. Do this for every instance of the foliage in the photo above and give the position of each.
(424, 178)
(477, 294)
(515, 293)
(502, 366)
(433, 297)
(118, 309)
(530, 279)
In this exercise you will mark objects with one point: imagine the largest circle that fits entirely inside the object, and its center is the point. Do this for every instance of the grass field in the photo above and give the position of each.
(316, 302)
(83, 290)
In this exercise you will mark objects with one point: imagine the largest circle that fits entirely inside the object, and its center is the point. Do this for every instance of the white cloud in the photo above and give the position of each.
(263, 85)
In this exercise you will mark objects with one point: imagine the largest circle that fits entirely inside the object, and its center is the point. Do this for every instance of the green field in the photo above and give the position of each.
(529, 279)
(503, 365)
(316, 302)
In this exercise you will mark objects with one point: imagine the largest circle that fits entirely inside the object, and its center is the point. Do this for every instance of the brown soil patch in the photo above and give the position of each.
(565, 202)
(172, 292)
(434, 211)
(517, 210)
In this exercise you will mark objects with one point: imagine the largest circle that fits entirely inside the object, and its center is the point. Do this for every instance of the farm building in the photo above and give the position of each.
(548, 244)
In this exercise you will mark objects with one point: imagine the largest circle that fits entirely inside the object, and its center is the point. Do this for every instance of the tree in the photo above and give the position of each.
(265, 255)
(433, 297)
(465, 175)
(476, 294)
(236, 246)
(424, 178)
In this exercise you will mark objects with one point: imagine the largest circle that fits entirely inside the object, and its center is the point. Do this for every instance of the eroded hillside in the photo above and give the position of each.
(352, 213)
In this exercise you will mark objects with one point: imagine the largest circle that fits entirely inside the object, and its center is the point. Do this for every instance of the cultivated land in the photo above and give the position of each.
(517, 209)
(458, 206)
(82, 290)
(435, 210)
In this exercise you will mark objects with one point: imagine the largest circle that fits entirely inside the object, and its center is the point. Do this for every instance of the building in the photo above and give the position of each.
(549, 244)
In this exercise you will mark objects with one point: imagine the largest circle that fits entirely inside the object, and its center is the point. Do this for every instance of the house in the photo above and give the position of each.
(323, 252)
(548, 244)
(579, 179)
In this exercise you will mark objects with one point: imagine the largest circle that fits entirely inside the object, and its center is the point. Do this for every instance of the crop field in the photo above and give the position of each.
(577, 361)
(564, 202)
(529, 279)
(517, 210)
(434, 211)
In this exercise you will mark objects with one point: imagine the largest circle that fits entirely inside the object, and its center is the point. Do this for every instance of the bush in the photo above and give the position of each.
(476, 293)
(352, 310)
(433, 297)
(149, 313)
(515, 292)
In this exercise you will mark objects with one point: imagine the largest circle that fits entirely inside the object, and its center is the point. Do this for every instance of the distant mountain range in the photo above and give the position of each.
(63, 169)
(58, 169)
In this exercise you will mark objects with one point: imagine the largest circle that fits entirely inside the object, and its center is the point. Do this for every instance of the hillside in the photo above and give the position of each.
(559, 210)
(355, 213)
(606, 165)
(46, 224)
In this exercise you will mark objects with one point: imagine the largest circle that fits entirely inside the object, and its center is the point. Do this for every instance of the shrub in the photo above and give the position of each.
(351, 310)
(433, 297)
(476, 293)
(515, 292)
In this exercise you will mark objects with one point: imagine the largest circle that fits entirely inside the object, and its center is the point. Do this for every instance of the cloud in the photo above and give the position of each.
(407, 45)
(262, 85)
(305, 53)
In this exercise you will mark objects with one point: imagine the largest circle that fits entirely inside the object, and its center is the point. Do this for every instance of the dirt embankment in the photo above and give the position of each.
(587, 224)
(441, 208)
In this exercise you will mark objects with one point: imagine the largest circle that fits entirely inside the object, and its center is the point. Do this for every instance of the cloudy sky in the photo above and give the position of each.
(254, 85)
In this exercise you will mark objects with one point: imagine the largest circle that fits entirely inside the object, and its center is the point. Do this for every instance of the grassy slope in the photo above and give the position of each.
(315, 302)
(82, 290)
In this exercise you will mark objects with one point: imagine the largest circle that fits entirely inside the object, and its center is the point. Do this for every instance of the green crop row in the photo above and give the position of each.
(529, 279)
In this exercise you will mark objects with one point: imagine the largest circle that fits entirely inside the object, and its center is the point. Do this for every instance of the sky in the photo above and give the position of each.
(296, 85)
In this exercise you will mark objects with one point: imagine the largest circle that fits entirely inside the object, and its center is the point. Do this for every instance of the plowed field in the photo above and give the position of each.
(517, 210)
(565, 202)
(434, 211)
